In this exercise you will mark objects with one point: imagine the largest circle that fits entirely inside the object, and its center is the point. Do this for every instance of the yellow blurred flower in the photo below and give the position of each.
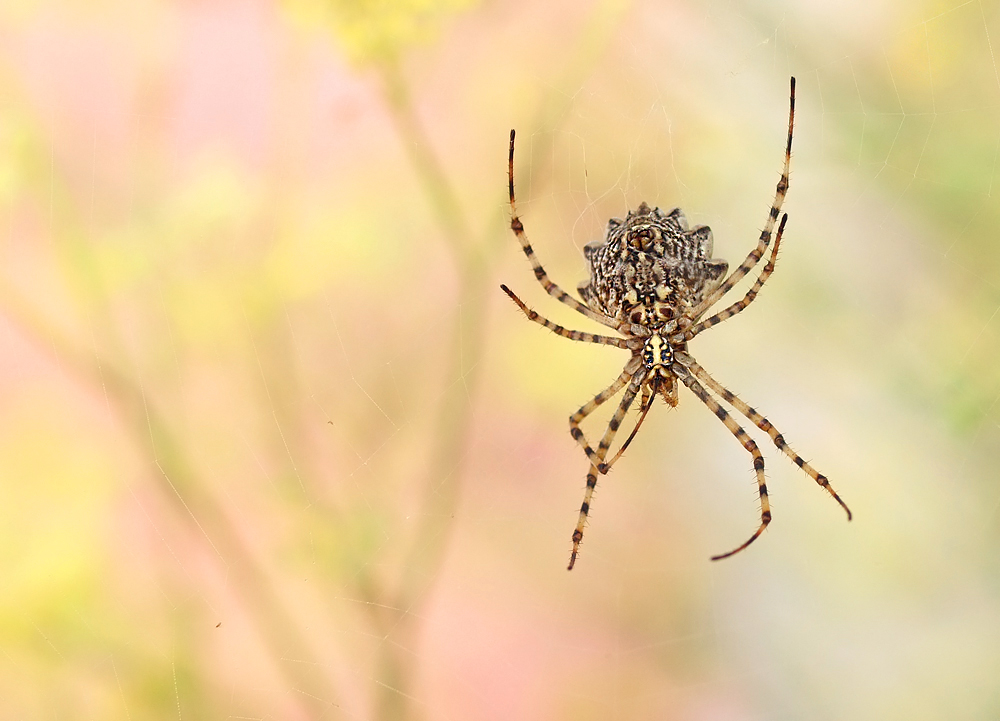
(377, 31)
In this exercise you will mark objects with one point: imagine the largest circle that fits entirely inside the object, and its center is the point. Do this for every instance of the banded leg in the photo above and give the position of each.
(585, 410)
(551, 288)
(647, 403)
(560, 330)
(765, 425)
(669, 393)
(740, 305)
(747, 442)
(602, 449)
(765, 235)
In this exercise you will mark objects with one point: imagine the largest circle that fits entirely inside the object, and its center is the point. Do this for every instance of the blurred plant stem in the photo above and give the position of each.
(192, 501)
(473, 260)
(442, 479)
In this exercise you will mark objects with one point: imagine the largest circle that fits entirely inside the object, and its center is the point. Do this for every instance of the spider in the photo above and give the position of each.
(652, 280)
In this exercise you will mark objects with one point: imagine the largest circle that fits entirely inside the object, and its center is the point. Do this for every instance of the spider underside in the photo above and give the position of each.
(652, 280)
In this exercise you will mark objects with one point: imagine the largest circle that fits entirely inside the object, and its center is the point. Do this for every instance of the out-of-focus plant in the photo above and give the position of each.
(165, 262)
(377, 31)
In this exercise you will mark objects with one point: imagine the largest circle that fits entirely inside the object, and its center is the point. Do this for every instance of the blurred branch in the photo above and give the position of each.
(442, 481)
(441, 194)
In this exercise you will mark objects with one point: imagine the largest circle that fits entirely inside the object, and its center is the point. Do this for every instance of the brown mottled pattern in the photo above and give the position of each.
(650, 267)
(652, 278)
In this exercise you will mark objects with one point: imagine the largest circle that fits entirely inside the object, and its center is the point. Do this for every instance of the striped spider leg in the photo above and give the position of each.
(745, 440)
(632, 375)
(687, 369)
(741, 305)
(597, 457)
(761, 422)
(637, 376)
(648, 396)
(560, 330)
(551, 288)
(765, 235)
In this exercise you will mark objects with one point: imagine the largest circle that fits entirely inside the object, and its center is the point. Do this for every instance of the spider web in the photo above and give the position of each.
(275, 446)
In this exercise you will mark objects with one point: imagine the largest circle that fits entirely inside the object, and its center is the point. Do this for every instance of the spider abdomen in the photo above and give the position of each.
(650, 267)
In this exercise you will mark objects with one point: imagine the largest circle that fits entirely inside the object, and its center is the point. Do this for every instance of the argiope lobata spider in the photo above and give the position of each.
(652, 279)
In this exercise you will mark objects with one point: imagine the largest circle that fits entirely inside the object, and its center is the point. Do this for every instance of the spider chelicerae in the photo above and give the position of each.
(652, 280)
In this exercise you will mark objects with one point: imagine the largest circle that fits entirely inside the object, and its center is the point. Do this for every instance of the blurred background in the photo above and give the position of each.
(273, 445)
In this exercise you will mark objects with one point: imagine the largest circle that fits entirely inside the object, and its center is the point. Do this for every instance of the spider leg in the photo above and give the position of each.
(745, 440)
(647, 403)
(602, 448)
(765, 235)
(560, 330)
(764, 424)
(551, 288)
(740, 305)
(590, 406)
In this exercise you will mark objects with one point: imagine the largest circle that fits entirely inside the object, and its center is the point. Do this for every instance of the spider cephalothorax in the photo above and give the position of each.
(652, 280)
(658, 355)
